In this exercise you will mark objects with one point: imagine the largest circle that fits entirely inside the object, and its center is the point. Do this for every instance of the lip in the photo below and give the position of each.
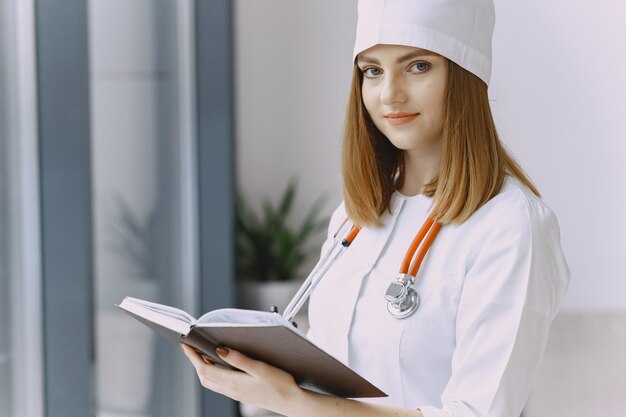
(401, 118)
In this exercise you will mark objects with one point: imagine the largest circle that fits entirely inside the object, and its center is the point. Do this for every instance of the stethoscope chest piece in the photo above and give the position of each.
(402, 300)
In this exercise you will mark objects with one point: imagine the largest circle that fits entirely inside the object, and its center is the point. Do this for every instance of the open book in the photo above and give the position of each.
(263, 336)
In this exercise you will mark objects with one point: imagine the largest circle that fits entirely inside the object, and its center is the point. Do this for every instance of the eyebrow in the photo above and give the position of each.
(405, 57)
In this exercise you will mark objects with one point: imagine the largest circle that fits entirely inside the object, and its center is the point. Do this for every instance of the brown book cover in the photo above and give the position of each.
(264, 336)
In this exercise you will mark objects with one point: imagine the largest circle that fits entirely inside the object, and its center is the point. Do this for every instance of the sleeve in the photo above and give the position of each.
(514, 285)
(336, 219)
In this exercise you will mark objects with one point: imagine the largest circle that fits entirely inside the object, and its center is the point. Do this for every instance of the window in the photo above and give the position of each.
(21, 387)
(142, 198)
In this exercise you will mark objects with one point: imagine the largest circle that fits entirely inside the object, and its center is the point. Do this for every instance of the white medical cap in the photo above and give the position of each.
(460, 30)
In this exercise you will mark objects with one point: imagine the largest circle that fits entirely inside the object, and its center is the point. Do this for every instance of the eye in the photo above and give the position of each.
(420, 66)
(370, 72)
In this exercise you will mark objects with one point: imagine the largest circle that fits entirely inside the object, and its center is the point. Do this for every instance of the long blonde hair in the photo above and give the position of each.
(474, 162)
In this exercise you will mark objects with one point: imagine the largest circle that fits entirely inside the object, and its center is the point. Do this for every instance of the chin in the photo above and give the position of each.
(405, 144)
(409, 142)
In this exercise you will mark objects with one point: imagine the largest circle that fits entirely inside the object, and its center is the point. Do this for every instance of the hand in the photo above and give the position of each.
(259, 384)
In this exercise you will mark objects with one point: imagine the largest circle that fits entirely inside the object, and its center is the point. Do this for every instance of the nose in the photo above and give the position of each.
(393, 89)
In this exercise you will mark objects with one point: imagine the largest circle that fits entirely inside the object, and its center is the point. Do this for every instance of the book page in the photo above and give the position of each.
(168, 317)
(169, 311)
(234, 316)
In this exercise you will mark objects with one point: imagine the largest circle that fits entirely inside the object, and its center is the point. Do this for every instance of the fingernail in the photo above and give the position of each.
(222, 352)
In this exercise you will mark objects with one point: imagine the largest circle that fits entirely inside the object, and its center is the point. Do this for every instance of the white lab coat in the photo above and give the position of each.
(489, 290)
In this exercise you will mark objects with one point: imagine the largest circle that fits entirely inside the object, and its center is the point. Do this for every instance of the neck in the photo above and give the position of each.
(420, 167)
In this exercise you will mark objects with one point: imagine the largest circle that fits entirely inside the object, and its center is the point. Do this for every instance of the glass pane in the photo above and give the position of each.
(21, 369)
(5, 345)
(142, 200)
(6, 256)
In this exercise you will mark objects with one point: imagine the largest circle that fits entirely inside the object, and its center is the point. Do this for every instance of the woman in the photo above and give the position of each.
(419, 143)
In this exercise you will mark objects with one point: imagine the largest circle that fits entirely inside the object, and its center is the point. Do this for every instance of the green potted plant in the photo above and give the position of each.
(272, 251)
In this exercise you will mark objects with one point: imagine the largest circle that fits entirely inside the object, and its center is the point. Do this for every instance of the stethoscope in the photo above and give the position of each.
(402, 299)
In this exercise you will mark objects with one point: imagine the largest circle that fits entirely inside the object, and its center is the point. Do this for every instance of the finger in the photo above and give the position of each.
(240, 361)
(193, 356)
(203, 368)
(212, 377)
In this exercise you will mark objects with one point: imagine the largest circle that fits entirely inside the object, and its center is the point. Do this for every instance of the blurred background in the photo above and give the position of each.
(129, 130)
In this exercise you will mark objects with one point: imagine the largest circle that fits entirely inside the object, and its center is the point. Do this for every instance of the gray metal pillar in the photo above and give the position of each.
(63, 110)
(216, 174)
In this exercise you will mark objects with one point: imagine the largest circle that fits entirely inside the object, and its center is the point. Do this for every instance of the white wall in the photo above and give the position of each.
(292, 63)
(558, 94)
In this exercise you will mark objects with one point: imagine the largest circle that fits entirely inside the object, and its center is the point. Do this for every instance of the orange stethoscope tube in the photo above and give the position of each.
(429, 229)
(396, 300)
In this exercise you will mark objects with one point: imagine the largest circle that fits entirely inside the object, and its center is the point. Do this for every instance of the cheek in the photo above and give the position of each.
(439, 92)
(433, 92)
(369, 100)
(433, 98)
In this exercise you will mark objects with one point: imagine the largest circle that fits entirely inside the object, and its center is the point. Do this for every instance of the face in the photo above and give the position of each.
(403, 91)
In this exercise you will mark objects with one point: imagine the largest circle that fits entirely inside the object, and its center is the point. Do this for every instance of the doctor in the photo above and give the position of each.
(420, 142)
